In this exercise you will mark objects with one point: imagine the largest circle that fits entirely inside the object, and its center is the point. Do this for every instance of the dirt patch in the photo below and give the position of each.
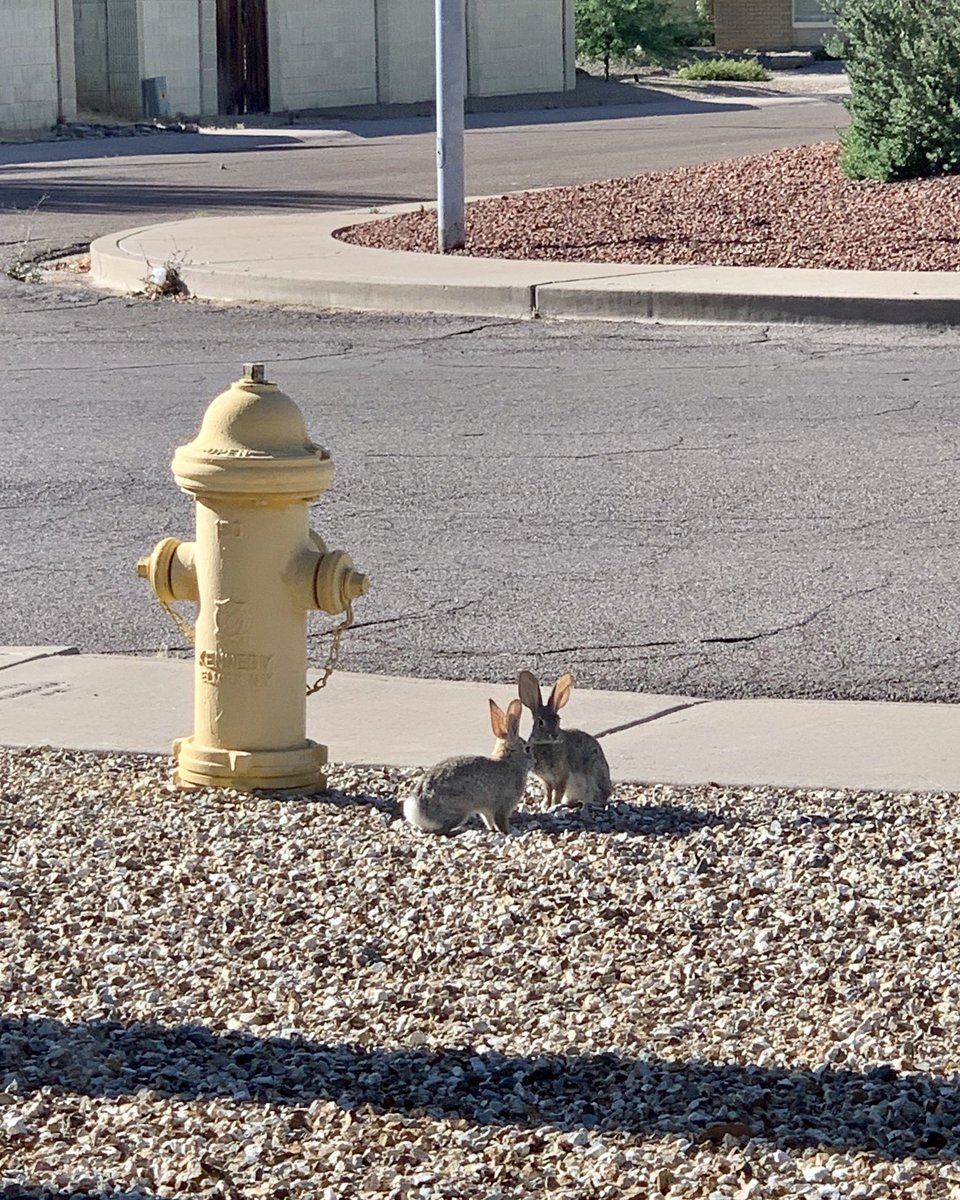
(789, 208)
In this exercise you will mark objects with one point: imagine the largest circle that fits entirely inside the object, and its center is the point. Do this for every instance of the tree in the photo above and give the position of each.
(903, 62)
(633, 31)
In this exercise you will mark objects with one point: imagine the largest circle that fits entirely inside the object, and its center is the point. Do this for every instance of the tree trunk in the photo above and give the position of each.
(606, 66)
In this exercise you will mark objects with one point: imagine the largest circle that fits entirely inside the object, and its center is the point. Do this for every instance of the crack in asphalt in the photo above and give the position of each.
(63, 308)
(610, 646)
(677, 445)
(903, 408)
(726, 640)
(403, 617)
(347, 351)
(803, 621)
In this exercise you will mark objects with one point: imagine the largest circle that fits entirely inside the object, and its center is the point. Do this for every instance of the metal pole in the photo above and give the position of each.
(451, 93)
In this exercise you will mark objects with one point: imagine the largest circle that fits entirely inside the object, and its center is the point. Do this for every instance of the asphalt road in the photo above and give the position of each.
(726, 511)
(711, 511)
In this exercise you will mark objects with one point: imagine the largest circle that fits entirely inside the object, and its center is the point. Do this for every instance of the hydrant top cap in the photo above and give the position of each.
(252, 438)
(254, 418)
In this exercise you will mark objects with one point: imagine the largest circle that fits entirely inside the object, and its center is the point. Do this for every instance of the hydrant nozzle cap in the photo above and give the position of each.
(357, 584)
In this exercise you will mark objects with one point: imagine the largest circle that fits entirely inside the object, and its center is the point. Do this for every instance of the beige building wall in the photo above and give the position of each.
(326, 53)
(170, 41)
(66, 60)
(37, 71)
(406, 67)
(322, 53)
(90, 33)
(517, 46)
(122, 42)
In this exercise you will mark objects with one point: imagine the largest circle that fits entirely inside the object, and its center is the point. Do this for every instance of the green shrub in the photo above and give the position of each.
(903, 62)
(634, 31)
(727, 69)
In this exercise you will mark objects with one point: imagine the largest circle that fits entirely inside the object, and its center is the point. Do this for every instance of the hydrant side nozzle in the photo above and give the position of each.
(169, 570)
(336, 582)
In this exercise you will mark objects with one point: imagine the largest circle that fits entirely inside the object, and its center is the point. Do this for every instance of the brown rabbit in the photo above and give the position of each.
(568, 762)
(449, 793)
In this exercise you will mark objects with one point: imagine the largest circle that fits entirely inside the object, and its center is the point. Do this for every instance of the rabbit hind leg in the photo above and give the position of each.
(502, 819)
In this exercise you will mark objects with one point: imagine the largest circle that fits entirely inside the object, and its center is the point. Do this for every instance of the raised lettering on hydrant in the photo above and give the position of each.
(255, 570)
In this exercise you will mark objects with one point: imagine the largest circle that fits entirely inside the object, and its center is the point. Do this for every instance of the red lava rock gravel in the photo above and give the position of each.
(790, 208)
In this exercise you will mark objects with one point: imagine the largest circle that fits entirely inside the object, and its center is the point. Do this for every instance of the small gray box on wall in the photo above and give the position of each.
(155, 102)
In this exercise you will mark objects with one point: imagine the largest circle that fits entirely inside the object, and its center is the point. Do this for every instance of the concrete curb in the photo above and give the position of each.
(224, 259)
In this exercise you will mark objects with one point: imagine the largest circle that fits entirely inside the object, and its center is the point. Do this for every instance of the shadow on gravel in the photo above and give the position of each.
(890, 1115)
(641, 820)
(36, 1191)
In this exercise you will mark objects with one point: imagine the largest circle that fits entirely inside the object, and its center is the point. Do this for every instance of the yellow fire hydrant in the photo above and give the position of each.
(255, 570)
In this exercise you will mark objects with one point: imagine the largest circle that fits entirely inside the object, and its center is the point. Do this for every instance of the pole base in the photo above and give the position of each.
(298, 770)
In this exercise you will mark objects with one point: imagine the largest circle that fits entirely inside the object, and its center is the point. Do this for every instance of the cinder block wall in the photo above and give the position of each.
(124, 70)
(516, 46)
(170, 37)
(322, 53)
(90, 30)
(207, 15)
(406, 64)
(326, 53)
(68, 59)
(754, 24)
(29, 94)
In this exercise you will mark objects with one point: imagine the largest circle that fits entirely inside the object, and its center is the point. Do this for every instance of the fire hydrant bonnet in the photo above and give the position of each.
(253, 440)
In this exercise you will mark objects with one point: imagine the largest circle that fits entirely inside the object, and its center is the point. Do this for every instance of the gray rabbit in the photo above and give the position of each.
(569, 763)
(447, 796)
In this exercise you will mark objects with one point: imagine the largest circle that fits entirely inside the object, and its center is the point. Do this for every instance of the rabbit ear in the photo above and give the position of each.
(529, 687)
(561, 692)
(514, 713)
(498, 722)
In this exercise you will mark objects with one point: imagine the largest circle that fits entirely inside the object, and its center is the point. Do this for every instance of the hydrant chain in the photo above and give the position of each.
(334, 656)
(185, 629)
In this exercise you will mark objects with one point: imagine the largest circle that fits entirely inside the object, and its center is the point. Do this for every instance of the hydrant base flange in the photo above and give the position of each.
(299, 770)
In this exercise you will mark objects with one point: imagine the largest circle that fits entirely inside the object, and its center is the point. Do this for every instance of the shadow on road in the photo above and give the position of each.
(122, 196)
(331, 129)
(880, 1111)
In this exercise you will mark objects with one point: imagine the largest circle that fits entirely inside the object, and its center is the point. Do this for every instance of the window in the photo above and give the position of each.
(812, 12)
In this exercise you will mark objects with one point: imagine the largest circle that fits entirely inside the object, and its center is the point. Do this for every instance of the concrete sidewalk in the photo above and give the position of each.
(51, 695)
(296, 259)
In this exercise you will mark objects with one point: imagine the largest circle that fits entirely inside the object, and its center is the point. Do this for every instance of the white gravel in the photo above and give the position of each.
(702, 992)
